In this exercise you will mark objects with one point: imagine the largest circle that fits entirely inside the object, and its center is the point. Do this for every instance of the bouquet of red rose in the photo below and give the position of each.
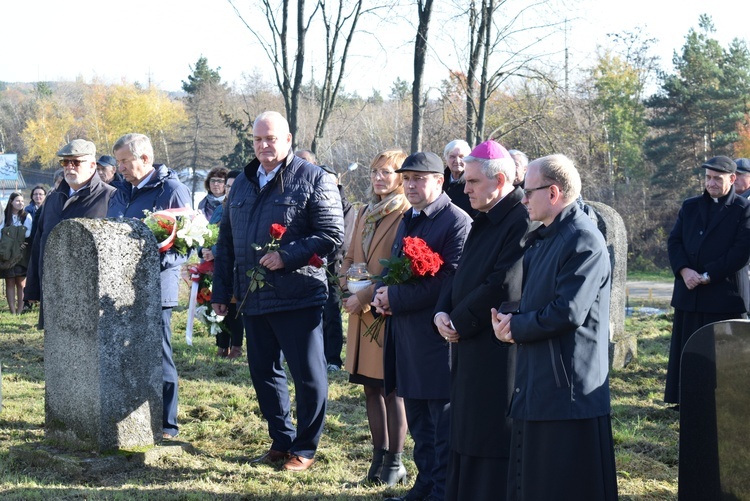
(417, 261)
(257, 274)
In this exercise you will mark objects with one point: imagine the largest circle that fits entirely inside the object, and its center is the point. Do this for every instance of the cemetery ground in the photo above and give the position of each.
(220, 419)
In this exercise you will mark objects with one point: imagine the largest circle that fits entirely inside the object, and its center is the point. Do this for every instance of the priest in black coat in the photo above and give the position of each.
(488, 275)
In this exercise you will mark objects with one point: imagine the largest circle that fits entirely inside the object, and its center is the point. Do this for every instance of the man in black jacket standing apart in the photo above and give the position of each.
(708, 250)
(489, 273)
(285, 314)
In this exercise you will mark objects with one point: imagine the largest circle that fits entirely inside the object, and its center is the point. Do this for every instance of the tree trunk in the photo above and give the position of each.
(424, 9)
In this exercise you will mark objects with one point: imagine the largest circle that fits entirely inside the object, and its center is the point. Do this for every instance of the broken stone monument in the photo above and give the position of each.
(102, 340)
(623, 346)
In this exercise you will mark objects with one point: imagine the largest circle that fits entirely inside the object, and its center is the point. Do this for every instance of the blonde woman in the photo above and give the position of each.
(372, 239)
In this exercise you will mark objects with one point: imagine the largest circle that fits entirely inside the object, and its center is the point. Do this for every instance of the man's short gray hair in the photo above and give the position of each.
(560, 170)
(519, 157)
(138, 144)
(492, 167)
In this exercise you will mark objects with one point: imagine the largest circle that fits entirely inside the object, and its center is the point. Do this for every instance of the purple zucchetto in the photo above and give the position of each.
(489, 150)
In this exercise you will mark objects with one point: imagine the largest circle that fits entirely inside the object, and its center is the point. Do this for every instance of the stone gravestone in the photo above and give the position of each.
(102, 340)
(714, 408)
(623, 347)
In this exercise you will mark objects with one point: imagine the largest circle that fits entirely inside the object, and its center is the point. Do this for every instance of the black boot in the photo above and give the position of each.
(393, 471)
(373, 475)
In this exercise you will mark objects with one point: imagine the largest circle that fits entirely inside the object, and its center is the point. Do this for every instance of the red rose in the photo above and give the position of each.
(316, 261)
(277, 231)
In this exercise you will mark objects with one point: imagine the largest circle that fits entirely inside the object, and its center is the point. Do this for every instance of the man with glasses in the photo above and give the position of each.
(80, 194)
(416, 357)
(154, 187)
(561, 437)
(286, 313)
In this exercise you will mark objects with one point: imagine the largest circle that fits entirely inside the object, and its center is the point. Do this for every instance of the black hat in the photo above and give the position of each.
(107, 160)
(743, 165)
(720, 164)
(422, 161)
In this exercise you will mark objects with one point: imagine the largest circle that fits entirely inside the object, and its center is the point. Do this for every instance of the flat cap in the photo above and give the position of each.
(743, 165)
(720, 164)
(107, 161)
(77, 148)
(422, 161)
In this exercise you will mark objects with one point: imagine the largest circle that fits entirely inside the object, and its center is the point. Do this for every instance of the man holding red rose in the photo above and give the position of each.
(416, 357)
(286, 201)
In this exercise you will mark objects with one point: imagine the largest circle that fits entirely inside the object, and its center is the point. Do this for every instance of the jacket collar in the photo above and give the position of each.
(504, 206)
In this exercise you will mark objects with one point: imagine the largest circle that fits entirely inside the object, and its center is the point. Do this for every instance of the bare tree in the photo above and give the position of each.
(419, 99)
(288, 73)
(344, 25)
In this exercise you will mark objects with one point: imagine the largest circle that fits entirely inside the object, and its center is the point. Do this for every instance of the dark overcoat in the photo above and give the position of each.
(415, 355)
(490, 272)
(718, 245)
(91, 201)
(562, 328)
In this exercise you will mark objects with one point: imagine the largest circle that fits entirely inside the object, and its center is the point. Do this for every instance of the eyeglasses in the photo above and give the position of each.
(381, 172)
(529, 191)
(74, 162)
(217, 180)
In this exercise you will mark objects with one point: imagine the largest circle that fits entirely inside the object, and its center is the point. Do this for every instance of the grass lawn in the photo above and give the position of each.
(219, 416)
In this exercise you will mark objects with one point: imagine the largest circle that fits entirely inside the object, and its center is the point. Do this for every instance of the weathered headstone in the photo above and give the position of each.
(102, 340)
(714, 409)
(623, 347)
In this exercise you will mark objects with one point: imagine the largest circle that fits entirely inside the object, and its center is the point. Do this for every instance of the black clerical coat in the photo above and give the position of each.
(489, 273)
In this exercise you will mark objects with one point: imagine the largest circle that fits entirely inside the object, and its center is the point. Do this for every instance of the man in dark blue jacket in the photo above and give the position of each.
(416, 357)
(153, 187)
(561, 438)
(283, 309)
(80, 194)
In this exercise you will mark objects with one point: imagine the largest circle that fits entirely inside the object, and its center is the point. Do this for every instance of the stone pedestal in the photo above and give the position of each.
(623, 347)
(102, 341)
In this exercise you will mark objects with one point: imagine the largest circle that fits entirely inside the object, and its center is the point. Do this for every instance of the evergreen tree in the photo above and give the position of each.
(695, 114)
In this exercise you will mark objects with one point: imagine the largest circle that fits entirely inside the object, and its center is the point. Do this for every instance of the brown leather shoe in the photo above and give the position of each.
(298, 463)
(271, 457)
(235, 352)
(222, 352)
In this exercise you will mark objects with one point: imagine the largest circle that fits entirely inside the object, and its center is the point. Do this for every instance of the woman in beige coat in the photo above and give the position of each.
(372, 239)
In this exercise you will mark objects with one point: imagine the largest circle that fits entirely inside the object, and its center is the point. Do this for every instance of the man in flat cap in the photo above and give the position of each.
(80, 194)
(489, 274)
(708, 250)
(106, 167)
(416, 357)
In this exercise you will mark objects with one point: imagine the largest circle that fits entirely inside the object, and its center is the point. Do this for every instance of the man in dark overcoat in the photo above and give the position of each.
(561, 437)
(416, 357)
(708, 250)
(489, 273)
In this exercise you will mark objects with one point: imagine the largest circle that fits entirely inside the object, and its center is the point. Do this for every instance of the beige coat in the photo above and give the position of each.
(363, 356)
